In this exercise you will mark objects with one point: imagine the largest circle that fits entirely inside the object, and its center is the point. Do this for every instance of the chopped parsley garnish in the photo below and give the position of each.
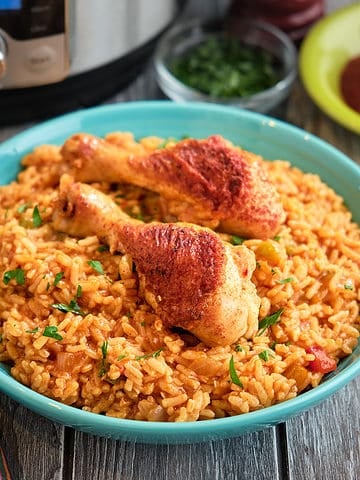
(34, 330)
(22, 208)
(59, 276)
(285, 280)
(277, 238)
(18, 275)
(264, 355)
(226, 67)
(104, 349)
(36, 217)
(104, 365)
(148, 355)
(235, 240)
(121, 357)
(348, 286)
(238, 348)
(266, 322)
(233, 375)
(96, 265)
(103, 248)
(72, 307)
(52, 332)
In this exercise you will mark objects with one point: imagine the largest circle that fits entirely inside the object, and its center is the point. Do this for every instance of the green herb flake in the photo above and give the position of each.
(34, 330)
(104, 365)
(266, 322)
(96, 265)
(18, 275)
(285, 280)
(348, 286)
(235, 240)
(22, 208)
(233, 375)
(36, 217)
(264, 355)
(1, 337)
(78, 291)
(104, 349)
(149, 355)
(52, 332)
(238, 348)
(277, 238)
(59, 276)
(73, 307)
(121, 357)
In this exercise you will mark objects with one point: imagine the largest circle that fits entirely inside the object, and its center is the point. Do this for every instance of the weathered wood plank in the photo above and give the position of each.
(249, 456)
(305, 114)
(325, 441)
(33, 445)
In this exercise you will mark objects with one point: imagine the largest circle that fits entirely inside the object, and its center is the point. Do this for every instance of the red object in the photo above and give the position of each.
(322, 362)
(294, 17)
(350, 83)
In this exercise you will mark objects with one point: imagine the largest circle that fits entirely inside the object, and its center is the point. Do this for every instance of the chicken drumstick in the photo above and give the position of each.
(189, 276)
(206, 182)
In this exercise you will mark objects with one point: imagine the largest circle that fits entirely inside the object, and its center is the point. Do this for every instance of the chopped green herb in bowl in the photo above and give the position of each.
(252, 66)
(225, 67)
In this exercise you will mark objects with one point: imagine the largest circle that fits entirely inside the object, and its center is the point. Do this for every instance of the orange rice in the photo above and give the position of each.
(117, 358)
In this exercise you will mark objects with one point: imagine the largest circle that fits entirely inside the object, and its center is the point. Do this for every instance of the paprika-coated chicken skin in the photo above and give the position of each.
(207, 182)
(189, 276)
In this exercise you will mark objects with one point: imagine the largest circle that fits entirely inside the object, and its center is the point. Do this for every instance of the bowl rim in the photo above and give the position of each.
(164, 74)
(169, 432)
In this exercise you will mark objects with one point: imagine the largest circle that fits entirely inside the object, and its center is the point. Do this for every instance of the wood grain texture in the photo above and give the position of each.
(324, 443)
(249, 456)
(32, 444)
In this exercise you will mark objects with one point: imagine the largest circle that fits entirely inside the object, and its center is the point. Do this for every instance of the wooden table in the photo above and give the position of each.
(323, 443)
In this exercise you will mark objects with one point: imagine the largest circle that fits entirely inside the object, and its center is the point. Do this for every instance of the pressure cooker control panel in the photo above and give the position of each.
(33, 42)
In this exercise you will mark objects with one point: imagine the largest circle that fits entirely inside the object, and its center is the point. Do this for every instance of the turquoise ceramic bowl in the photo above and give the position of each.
(263, 135)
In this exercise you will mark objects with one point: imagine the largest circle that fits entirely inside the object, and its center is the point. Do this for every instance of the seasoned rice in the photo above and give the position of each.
(114, 356)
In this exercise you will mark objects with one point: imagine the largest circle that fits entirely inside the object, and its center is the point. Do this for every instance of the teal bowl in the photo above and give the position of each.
(263, 135)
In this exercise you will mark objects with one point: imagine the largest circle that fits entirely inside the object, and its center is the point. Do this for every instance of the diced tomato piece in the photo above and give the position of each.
(322, 362)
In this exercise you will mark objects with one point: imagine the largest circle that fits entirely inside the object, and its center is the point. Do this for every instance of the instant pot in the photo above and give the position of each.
(59, 55)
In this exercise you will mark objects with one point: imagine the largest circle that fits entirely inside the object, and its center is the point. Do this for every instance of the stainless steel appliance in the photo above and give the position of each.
(57, 55)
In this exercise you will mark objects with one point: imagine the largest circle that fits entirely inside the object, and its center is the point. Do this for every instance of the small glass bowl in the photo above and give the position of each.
(185, 36)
